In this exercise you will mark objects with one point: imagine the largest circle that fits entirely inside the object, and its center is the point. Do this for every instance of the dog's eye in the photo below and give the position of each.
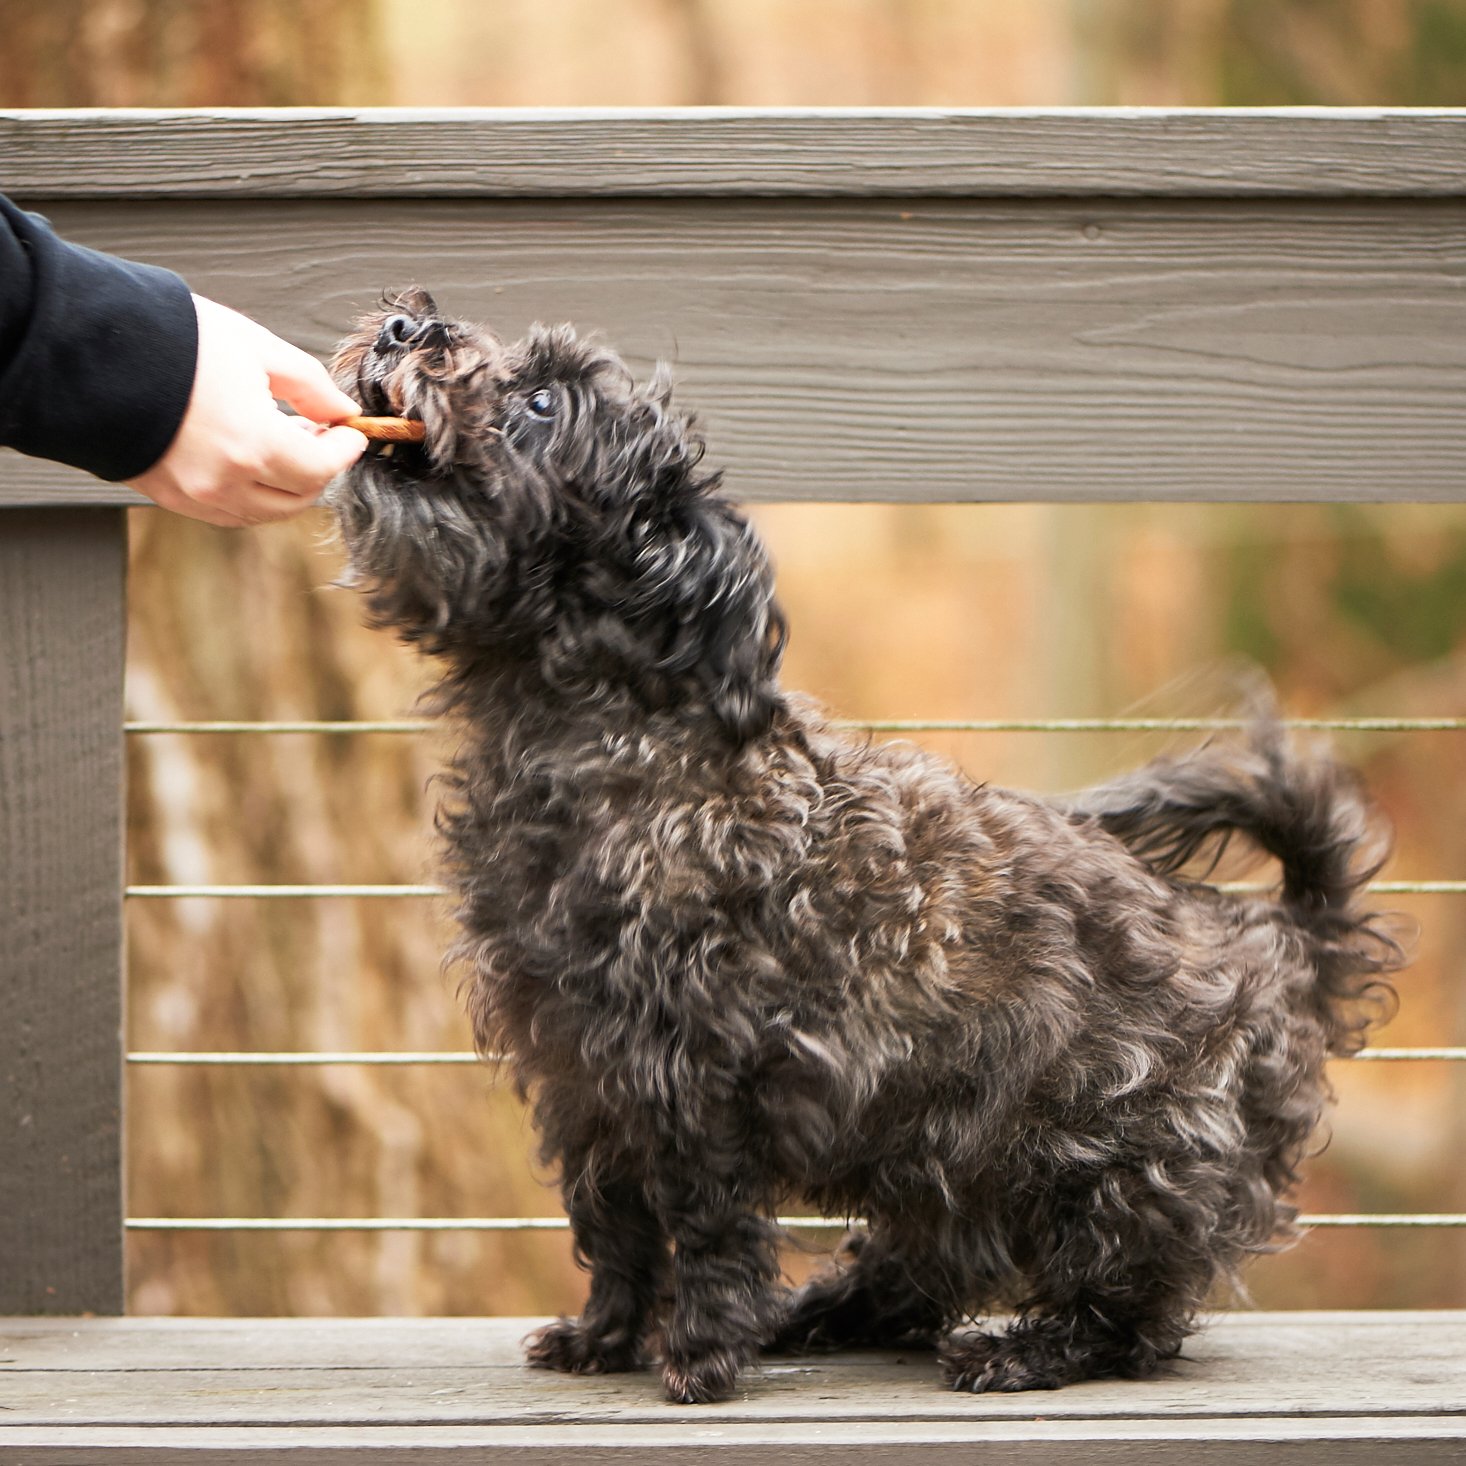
(542, 403)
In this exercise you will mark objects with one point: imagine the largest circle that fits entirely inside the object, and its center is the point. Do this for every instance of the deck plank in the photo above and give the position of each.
(450, 1389)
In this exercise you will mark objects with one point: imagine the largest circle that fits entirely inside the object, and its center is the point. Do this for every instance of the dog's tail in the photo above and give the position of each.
(1302, 807)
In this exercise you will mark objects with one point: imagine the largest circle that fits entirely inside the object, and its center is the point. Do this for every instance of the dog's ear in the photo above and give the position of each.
(660, 451)
(742, 691)
(410, 298)
(731, 624)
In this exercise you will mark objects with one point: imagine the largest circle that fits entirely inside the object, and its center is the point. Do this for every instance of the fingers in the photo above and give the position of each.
(303, 463)
(285, 470)
(237, 459)
(259, 503)
(238, 504)
(299, 379)
(168, 496)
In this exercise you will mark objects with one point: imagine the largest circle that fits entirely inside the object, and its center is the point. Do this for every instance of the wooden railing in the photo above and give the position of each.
(1068, 306)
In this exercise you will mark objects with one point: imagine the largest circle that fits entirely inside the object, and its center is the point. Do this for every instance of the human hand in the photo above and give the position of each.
(237, 459)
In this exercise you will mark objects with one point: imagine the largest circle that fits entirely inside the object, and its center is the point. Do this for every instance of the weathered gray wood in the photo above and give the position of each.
(850, 1389)
(393, 154)
(935, 350)
(62, 616)
(33, 483)
(1309, 1387)
(1243, 1363)
(1037, 1442)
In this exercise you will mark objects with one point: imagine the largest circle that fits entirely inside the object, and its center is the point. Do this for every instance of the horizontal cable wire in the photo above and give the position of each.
(223, 1058)
(285, 892)
(876, 725)
(394, 1224)
(1392, 1056)
(560, 1224)
(391, 725)
(1146, 725)
(1383, 1219)
(381, 892)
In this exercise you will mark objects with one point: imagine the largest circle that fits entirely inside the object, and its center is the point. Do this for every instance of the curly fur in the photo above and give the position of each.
(739, 959)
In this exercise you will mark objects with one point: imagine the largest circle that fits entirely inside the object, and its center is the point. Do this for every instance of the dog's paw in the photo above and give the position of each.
(702, 1379)
(829, 1314)
(567, 1346)
(979, 1363)
(800, 1328)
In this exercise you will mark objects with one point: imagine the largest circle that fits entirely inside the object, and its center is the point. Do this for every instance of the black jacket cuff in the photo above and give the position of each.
(104, 364)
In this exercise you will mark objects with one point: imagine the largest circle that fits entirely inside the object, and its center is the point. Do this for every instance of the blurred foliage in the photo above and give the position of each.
(934, 610)
(1417, 613)
(1248, 626)
(1402, 602)
(189, 53)
(1277, 53)
(1411, 53)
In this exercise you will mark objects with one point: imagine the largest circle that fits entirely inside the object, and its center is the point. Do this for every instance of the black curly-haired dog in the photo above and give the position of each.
(738, 958)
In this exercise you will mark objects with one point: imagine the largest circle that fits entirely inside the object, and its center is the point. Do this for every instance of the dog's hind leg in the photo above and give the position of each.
(875, 1294)
(1128, 1266)
(1085, 1335)
(619, 1240)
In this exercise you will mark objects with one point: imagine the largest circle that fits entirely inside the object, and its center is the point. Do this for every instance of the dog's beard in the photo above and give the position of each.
(411, 515)
(446, 376)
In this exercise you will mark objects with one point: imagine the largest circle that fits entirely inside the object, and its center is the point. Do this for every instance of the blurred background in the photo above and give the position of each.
(923, 612)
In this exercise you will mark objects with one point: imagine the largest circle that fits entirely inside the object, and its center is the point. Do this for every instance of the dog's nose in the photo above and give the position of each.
(398, 332)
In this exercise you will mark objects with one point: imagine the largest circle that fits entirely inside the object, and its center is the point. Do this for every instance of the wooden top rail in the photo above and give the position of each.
(731, 152)
(904, 305)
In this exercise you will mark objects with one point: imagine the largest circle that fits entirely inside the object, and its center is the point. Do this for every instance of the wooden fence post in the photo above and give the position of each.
(62, 629)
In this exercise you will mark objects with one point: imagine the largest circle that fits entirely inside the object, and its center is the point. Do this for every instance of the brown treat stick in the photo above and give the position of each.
(387, 429)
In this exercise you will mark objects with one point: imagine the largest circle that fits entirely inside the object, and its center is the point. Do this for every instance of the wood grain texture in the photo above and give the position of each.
(1037, 1442)
(924, 349)
(390, 153)
(1255, 1388)
(63, 614)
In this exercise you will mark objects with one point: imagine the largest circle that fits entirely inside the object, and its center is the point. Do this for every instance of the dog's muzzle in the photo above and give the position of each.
(404, 333)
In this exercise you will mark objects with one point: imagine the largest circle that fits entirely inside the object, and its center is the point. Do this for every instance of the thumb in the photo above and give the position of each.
(303, 462)
(298, 378)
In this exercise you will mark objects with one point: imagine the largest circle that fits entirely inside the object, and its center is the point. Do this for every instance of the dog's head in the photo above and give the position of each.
(554, 516)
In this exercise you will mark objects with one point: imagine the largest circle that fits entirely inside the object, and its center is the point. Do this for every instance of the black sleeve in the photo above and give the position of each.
(97, 354)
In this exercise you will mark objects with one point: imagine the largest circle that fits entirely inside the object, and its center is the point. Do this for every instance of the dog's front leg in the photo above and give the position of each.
(724, 1271)
(619, 1240)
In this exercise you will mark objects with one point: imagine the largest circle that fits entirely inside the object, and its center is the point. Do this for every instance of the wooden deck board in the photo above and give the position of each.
(1253, 1387)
